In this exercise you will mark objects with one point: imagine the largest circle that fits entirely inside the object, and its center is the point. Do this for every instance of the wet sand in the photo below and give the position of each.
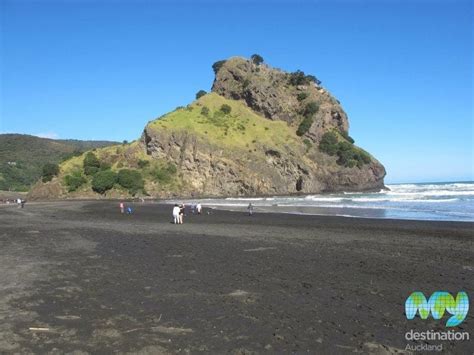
(89, 280)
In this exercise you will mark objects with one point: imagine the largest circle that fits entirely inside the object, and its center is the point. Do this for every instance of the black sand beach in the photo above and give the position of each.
(90, 280)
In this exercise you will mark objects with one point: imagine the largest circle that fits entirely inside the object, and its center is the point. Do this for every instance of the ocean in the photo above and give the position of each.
(448, 201)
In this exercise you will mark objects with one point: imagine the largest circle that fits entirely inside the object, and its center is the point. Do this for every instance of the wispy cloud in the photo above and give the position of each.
(50, 135)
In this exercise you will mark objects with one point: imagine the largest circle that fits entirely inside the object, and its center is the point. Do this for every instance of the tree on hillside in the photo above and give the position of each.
(91, 164)
(49, 171)
(256, 59)
(131, 180)
(74, 181)
(104, 181)
(200, 94)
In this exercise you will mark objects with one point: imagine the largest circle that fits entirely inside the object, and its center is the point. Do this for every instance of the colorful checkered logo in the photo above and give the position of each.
(438, 303)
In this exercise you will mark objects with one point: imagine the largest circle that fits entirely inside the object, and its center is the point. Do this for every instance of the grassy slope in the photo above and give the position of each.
(242, 128)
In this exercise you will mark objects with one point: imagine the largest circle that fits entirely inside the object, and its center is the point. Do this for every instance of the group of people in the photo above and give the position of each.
(179, 212)
(19, 201)
(125, 209)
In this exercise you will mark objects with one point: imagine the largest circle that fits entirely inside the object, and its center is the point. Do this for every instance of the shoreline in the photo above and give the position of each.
(243, 209)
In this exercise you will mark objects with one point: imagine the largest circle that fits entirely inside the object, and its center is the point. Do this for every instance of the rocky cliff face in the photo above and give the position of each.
(267, 141)
(270, 92)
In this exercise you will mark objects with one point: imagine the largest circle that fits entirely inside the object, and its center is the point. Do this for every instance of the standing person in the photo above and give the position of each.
(250, 209)
(181, 214)
(176, 214)
(23, 203)
(199, 208)
(122, 207)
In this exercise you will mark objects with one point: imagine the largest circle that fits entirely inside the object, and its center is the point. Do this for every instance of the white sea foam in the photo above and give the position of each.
(450, 201)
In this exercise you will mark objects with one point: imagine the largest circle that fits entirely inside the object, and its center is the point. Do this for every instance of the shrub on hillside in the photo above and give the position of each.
(347, 154)
(205, 111)
(49, 171)
(200, 94)
(226, 109)
(301, 96)
(256, 59)
(218, 65)
(132, 180)
(305, 125)
(328, 143)
(164, 174)
(308, 144)
(143, 163)
(103, 181)
(311, 108)
(91, 164)
(300, 78)
(347, 137)
(74, 181)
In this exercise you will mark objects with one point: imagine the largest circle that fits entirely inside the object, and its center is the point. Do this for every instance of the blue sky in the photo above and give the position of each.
(101, 69)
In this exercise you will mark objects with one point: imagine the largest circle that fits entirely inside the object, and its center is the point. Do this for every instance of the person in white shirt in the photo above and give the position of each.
(176, 214)
(199, 208)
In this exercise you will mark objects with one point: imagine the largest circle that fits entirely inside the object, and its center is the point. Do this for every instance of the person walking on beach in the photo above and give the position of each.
(122, 207)
(181, 214)
(250, 209)
(176, 214)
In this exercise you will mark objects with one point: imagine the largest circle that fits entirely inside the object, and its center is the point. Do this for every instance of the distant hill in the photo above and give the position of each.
(23, 156)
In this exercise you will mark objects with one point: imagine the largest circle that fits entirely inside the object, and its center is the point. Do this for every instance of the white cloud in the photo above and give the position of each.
(50, 135)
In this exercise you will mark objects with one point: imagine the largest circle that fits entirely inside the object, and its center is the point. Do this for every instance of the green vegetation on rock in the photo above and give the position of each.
(309, 111)
(348, 154)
